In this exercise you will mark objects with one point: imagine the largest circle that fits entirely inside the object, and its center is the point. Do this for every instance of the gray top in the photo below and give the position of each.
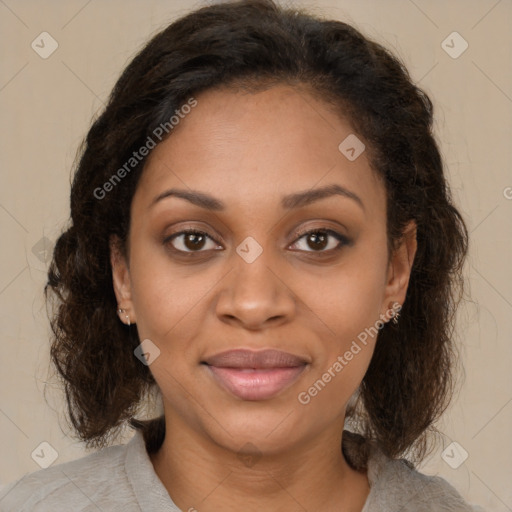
(122, 478)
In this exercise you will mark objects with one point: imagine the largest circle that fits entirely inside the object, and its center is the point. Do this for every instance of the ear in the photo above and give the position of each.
(121, 281)
(400, 265)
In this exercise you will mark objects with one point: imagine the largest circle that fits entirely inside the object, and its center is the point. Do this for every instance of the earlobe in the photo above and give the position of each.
(400, 266)
(121, 282)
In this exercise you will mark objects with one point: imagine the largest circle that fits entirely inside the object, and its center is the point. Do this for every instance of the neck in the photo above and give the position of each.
(201, 475)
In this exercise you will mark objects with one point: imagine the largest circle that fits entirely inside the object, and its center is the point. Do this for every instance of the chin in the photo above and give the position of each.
(269, 430)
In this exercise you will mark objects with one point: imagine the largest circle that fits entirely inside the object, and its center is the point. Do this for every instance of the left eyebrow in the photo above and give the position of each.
(309, 196)
(288, 202)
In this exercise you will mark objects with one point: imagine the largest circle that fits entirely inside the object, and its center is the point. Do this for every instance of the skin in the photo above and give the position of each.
(249, 150)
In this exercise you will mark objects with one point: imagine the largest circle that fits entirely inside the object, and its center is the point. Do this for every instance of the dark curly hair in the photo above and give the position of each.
(254, 44)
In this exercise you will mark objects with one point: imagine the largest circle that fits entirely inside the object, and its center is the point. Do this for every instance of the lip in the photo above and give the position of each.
(255, 375)
(259, 359)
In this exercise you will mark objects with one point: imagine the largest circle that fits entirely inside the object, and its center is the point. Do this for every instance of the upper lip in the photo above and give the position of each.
(242, 358)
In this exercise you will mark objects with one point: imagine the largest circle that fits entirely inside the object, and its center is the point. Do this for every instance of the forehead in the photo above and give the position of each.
(251, 147)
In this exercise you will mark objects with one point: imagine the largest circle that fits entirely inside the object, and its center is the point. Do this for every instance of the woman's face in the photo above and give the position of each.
(254, 173)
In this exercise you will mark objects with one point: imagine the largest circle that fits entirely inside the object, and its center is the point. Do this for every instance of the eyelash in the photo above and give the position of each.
(342, 240)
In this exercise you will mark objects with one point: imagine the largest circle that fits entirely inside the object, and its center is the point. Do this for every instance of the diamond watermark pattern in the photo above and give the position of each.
(249, 454)
(249, 249)
(454, 45)
(351, 147)
(44, 455)
(454, 455)
(147, 352)
(43, 249)
(44, 45)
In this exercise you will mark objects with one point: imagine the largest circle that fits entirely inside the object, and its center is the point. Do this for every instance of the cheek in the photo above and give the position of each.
(349, 307)
(168, 310)
(348, 299)
(163, 296)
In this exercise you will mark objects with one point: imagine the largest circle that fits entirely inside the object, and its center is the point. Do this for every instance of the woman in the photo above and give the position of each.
(261, 231)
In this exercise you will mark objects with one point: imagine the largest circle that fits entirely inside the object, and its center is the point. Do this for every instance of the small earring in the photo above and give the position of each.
(127, 316)
(394, 308)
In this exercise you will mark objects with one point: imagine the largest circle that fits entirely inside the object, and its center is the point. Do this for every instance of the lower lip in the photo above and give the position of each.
(256, 384)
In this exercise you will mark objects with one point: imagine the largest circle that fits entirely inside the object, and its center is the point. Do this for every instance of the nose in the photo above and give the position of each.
(256, 294)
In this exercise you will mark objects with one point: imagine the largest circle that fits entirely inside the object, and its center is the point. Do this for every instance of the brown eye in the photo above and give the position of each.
(322, 240)
(317, 240)
(191, 241)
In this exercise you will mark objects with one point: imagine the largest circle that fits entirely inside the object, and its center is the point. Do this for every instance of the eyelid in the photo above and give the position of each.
(343, 240)
(185, 231)
(299, 233)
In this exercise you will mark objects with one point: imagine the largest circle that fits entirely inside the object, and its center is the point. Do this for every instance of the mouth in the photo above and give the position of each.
(251, 375)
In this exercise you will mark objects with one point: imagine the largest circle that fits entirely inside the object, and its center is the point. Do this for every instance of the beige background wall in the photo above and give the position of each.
(47, 105)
